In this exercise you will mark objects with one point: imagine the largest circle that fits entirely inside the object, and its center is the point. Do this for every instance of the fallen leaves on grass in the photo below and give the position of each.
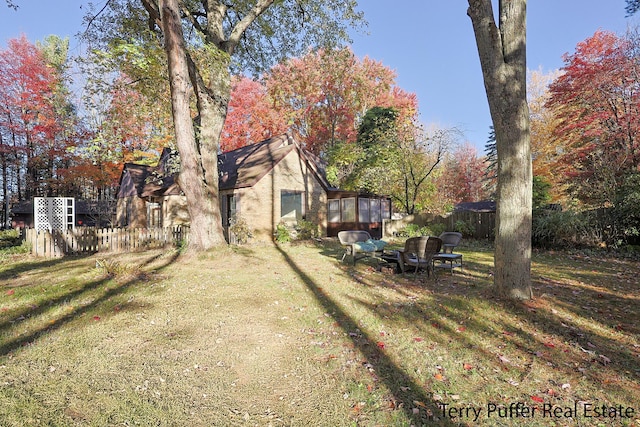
(504, 359)
(604, 359)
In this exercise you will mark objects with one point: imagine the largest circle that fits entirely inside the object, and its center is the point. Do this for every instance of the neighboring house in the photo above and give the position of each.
(267, 183)
(88, 213)
(484, 206)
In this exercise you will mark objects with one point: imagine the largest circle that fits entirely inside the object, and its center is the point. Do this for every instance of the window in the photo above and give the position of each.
(386, 209)
(231, 208)
(291, 205)
(363, 209)
(154, 215)
(375, 210)
(349, 210)
(334, 210)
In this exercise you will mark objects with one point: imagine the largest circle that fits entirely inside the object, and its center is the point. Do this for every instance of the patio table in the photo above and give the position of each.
(450, 261)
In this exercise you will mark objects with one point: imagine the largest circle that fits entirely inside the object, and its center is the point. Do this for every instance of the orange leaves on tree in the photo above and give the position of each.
(320, 97)
(251, 117)
(33, 116)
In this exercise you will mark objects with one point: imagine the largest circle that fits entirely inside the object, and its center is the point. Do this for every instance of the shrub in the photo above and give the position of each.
(282, 233)
(240, 230)
(306, 230)
(562, 229)
(436, 229)
(414, 230)
(467, 229)
(411, 230)
(9, 238)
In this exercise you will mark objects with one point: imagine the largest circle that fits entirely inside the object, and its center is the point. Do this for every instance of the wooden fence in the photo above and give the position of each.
(87, 240)
(483, 223)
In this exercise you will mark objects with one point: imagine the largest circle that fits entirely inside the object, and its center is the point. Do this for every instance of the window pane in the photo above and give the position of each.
(349, 210)
(386, 209)
(291, 205)
(375, 210)
(154, 217)
(363, 210)
(334, 210)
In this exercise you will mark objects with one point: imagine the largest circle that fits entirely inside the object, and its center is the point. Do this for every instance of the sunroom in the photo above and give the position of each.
(350, 210)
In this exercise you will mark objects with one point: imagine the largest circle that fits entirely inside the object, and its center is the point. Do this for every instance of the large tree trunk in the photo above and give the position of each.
(503, 59)
(198, 177)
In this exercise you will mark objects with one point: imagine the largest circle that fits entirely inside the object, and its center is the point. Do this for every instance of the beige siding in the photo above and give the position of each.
(131, 211)
(260, 204)
(174, 211)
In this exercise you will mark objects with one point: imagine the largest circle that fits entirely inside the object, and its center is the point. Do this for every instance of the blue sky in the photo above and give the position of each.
(429, 43)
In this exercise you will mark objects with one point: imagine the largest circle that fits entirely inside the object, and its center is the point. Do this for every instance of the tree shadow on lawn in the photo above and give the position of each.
(404, 389)
(577, 329)
(83, 293)
(29, 264)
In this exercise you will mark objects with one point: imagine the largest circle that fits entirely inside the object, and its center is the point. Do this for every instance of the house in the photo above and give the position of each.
(484, 206)
(88, 213)
(271, 182)
(148, 196)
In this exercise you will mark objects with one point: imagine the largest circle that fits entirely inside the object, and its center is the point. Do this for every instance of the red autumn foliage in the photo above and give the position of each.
(34, 136)
(597, 105)
(321, 97)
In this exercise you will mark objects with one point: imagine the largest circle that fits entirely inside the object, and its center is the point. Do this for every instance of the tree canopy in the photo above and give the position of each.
(632, 7)
(595, 103)
(321, 97)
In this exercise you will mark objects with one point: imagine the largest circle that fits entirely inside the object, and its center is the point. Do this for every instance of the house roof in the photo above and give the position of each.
(483, 206)
(245, 166)
(134, 177)
(239, 168)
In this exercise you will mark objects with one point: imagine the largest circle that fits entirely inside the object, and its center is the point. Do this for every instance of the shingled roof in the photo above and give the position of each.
(245, 166)
(483, 206)
(239, 168)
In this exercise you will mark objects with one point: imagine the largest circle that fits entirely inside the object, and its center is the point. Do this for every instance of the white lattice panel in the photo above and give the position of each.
(54, 213)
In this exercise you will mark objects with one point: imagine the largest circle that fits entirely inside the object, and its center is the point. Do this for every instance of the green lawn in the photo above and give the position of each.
(289, 335)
